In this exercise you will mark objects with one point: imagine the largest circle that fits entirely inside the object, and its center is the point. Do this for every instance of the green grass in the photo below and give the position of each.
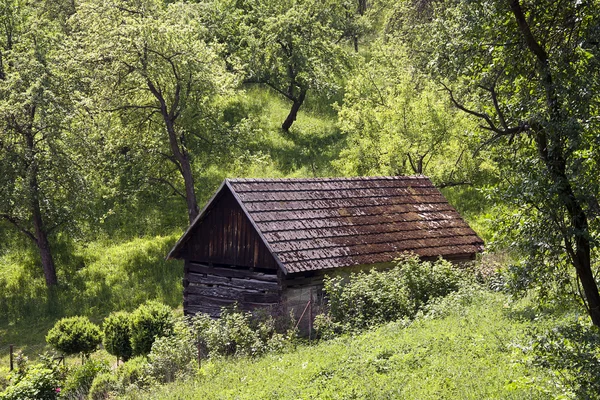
(469, 351)
(101, 277)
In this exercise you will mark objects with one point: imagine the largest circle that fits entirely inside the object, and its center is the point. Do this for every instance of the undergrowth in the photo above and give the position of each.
(102, 277)
(464, 346)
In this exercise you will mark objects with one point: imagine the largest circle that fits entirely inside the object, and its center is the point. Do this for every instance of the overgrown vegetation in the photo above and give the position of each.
(445, 352)
(117, 123)
(369, 299)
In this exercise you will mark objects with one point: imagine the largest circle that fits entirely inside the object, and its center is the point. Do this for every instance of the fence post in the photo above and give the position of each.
(310, 320)
(199, 355)
(11, 357)
(202, 352)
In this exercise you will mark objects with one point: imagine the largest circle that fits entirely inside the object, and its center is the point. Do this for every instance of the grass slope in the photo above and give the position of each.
(104, 277)
(465, 352)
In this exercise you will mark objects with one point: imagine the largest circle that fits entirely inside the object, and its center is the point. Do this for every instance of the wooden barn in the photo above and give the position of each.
(269, 242)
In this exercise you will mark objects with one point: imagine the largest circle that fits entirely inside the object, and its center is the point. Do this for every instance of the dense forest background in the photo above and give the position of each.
(120, 119)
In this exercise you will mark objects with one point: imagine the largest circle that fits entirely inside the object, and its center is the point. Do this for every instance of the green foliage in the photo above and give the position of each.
(397, 123)
(75, 335)
(133, 374)
(536, 97)
(149, 321)
(102, 386)
(41, 185)
(238, 333)
(173, 357)
(571, 352)
(116, 330)
(367, 299)
(465, 353)
(79, 380)
(38, 383)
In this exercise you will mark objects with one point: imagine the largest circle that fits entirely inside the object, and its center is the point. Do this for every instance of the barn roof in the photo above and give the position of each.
(323, 223)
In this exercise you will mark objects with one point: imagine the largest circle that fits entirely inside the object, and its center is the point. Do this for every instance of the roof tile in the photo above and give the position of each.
(323, 223)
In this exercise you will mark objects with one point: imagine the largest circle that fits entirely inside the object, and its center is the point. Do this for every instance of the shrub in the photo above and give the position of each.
(239, 333)
(173, 356)
(325, 327)
(117, 335)
(133, 373)
(427, 280)
(102, 386)
(39, 383)
(80, 380)
(572, 352)
(149, 321)
(74, 335)
(366, 299)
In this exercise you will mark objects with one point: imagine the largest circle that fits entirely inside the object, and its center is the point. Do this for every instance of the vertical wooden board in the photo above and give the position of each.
(225, 236)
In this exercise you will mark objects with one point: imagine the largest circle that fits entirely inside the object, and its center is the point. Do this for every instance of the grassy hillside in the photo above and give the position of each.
(466, 347)
(100, 277)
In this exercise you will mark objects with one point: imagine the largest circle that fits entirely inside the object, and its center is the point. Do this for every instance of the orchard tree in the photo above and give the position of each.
(39, 179)
(530, 72)
(398, 122)
(294, 47)
(150, 65)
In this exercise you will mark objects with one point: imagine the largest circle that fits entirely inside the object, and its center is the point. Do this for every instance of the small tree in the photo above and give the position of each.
(117, 335)
(74, 335)
(149, 321)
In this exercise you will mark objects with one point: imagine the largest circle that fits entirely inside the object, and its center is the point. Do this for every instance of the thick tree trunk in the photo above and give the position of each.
(46, 256)
(287, 124)
(550, 149)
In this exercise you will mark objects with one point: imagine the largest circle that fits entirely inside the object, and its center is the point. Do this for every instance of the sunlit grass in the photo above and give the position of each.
(469, 352)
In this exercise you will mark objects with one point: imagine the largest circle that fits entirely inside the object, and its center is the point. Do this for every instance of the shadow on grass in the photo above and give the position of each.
(100, 278)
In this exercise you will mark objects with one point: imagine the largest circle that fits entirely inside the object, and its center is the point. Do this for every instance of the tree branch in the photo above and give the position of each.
(166, 182)
(16, 223)
(265, 82)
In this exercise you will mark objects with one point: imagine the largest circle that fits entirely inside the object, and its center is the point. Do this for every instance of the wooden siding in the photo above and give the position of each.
(207, 289)
(227, 237)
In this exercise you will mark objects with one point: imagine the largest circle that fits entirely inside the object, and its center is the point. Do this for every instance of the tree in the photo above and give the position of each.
(150, 64)
(290, 46)
(529, 72)
(39, 180)
(396, 122)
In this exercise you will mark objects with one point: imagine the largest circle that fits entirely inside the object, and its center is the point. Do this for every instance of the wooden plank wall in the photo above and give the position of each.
(226, 236)
(207, 289)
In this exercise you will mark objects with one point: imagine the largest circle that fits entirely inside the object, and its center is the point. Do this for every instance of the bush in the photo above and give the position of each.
(79, 381)
(133, 373)
(427, 280)
(39, 383)
(366, 299)
(149, 321)
(572, 352)
(103, 385)
(174, 356)
(117, 335)
(239, 333)
(325, 327)
(74, 335)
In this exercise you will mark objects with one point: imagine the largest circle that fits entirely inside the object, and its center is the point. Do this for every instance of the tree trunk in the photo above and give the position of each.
(287, 124)
(186, 170)
(549, 145)
(41, 236)
(46, 256)
(180, 154)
